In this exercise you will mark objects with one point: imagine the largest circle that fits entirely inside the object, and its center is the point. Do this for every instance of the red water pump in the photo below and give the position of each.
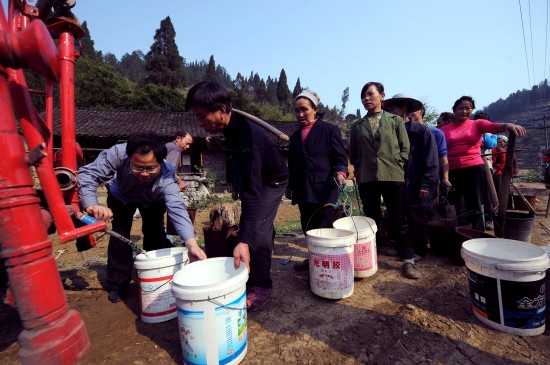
(53, 333)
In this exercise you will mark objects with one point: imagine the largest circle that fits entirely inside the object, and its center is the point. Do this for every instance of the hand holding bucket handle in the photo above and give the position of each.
(241, 253)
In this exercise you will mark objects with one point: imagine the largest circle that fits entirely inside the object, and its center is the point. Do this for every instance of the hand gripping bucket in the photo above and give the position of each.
(365, 260)
(330, 253)
(211, 301)
(507, 284)
(155, 272)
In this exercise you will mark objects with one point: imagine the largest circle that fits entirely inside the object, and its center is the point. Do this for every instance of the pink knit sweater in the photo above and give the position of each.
(464, 141)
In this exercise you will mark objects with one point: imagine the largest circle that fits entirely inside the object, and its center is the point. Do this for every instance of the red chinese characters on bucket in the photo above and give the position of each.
(325, 264)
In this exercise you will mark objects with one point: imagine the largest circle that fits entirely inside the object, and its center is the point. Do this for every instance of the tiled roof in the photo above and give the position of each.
(119, 124)
(105, 127)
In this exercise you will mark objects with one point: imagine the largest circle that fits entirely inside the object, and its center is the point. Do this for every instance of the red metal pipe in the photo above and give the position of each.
(52, 333)
(68, 129)
(49, 115)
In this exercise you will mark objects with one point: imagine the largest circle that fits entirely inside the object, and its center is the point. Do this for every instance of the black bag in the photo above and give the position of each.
(446, 211)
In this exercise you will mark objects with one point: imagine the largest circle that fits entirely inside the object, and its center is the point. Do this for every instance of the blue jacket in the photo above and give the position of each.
(312, 166)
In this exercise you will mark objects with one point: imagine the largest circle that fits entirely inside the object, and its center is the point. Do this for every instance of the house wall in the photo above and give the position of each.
(214, 163)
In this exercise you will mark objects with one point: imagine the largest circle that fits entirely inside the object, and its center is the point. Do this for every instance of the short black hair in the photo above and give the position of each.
(481, 115)
(447, 117)
(209, 95)
(378, 86)
(145, 142)
(182, 133)
(464, 98)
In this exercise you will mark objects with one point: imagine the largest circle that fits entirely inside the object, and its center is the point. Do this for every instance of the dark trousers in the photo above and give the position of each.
(261, 247)
(119, 254)
(417, 218)
(315, 215)
(469, 182)
(394, 197)
(497, 180)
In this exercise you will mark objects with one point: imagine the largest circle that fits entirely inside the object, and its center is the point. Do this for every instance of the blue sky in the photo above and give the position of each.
(433, 50)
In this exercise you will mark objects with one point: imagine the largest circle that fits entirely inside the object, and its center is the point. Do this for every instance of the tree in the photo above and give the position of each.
(283, 92)
(195, 72)
(163, 63)
(297, 89)
(99, 86)
(132, 66)
(88, 49)
(345, 98)
(111, 60)
(223, 77)
(211, 70)
(260, 92)
(271, 90)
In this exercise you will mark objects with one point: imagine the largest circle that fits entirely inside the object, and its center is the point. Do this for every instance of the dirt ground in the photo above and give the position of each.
(388, 320)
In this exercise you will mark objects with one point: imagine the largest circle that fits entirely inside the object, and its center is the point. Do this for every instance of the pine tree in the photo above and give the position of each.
(283, 92)
(211, 70)
(163, 63)
(297, 89)
(260, 92)
(271, 90)
(88, 49)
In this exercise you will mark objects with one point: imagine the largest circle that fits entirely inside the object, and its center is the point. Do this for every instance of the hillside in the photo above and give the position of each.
(535, 139)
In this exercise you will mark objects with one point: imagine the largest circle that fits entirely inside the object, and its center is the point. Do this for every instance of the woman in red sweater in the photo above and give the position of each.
(466, 168)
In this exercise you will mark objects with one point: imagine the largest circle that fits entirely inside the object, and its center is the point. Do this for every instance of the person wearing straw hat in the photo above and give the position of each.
(317, 165)
(263, 177)
(421, 179)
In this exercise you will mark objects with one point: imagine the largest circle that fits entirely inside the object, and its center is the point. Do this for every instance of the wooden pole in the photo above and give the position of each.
(268, 127)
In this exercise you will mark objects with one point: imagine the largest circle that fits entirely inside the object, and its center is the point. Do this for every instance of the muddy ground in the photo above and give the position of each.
(388, 320)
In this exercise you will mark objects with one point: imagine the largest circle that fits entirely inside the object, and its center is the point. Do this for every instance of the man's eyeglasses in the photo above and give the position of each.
(147, 169)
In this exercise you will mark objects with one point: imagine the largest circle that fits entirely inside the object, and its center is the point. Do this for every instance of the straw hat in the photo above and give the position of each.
(414, 104)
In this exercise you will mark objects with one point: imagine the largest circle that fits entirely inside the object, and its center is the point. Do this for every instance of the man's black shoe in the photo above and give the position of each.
(114, 297)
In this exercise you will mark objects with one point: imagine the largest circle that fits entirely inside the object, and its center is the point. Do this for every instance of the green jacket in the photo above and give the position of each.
(387, 163)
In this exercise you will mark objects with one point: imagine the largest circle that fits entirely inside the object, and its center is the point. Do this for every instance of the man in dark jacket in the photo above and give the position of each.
(421, 173)
(263, 177)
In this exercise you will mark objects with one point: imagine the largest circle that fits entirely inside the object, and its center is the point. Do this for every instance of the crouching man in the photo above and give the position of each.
(139, 178)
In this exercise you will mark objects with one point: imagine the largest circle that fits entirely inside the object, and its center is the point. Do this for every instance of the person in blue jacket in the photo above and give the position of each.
(138, 177)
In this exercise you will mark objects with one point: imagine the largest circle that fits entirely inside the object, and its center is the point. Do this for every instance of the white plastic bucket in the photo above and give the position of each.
(211, 300)
(155, 272)
(507, 284)
(547, 250)
(330, 253)
(365, 259)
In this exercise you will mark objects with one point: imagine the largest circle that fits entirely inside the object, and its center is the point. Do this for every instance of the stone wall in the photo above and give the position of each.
(197, 190)
(214, 165)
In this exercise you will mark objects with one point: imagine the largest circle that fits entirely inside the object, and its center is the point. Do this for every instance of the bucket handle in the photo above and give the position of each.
(163, 284)
(366, 220)
(224, 306)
